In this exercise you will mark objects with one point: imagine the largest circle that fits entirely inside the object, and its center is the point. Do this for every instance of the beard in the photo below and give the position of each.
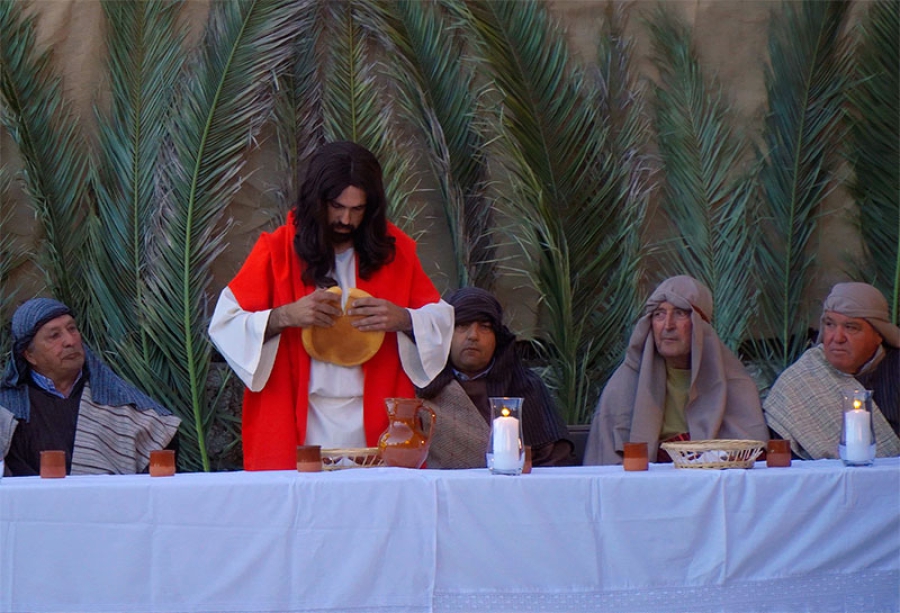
(339, 234)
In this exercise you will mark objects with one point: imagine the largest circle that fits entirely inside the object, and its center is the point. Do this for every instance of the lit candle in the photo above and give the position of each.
(505, 442)
(858, 439)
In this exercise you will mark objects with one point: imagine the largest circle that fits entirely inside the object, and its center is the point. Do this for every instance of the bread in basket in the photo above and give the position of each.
(715, 453)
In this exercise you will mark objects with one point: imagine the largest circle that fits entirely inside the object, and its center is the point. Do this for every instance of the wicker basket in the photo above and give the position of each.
(362, 457)
(717, 454)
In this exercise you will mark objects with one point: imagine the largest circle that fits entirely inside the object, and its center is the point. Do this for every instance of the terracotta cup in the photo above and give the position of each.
(309, 458)
(778, 453)
(526, 468)
(53, 464)
(162, 463)
(635, 457)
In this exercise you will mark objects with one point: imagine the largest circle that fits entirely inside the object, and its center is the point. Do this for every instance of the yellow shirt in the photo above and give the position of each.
(678, 384)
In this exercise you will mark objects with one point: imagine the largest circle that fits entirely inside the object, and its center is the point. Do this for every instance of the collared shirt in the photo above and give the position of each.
(46, 384)
(461, 376)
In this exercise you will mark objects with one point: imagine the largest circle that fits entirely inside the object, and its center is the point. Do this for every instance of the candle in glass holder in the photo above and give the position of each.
(857, 440)
(505, 447)
(506, 443)
(857, 445)
(635, 457)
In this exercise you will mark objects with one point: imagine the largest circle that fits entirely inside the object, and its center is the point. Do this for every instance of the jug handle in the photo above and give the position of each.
(430, 411)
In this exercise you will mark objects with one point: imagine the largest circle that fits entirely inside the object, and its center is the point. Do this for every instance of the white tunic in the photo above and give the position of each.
(335, 416)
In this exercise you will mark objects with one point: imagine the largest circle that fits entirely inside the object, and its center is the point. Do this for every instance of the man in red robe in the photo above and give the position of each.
(336, 235)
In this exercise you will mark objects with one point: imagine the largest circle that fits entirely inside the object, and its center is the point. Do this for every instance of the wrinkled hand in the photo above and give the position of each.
(316, 309)
(377, 314)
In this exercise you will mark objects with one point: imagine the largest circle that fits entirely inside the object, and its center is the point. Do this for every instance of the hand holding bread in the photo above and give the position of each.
(354, 337)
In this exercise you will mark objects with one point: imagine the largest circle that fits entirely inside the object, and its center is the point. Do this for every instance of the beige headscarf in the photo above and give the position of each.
(866, 302)
(723, 401)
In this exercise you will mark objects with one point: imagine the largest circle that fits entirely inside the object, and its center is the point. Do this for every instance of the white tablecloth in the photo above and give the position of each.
(815, 537)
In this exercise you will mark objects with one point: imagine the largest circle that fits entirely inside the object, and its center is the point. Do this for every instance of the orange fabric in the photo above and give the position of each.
(274, 419)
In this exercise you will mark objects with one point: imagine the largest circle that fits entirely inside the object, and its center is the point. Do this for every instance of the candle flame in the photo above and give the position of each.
(857, 403)
(504, 411)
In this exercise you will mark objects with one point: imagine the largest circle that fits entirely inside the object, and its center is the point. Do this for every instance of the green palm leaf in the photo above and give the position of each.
(438, 97)
(710, 208)
(620, 101)
(875, 148)
(357, 103)
(11, 256)
(46, 133)
(145, 59)
(805, 83)
(553, 139)
(298, 107)
(223, 102)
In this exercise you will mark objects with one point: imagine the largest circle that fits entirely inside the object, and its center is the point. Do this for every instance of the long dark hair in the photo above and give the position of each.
(331, 169)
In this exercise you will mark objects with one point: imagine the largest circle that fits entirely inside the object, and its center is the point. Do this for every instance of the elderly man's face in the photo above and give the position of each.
(472, 347)
(849, 342)
(672, 329)
(56, 350)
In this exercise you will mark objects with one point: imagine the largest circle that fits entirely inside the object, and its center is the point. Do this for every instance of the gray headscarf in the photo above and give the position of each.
(866, 302)
(106, 386)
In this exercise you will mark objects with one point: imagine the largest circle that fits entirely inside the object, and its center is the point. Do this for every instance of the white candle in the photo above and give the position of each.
(505, 443)
(858, 435)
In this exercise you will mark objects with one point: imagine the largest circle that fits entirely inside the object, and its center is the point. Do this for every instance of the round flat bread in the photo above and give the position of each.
(342, 344)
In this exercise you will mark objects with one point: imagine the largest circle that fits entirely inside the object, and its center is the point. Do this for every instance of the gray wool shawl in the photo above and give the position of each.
(723, 401)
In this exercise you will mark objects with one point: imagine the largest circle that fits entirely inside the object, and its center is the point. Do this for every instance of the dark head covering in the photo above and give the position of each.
(106, 386)
(475, 304)
(508, 376)
(866, 302)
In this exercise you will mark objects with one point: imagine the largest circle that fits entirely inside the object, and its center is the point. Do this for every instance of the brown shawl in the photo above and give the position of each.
(723, 401)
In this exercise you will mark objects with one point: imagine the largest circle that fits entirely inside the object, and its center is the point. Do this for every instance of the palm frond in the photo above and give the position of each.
(874, 150)
(11, 255)
(709, 204)
(805, 83)
(50, 144)
(438, 97)
(299, 122)
(357, 105)
(620, 102)
(223, 102)
(553, 141)
(146, 54)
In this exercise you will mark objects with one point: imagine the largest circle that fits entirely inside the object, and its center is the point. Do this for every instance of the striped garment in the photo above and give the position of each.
(806, 406)
(117, 440)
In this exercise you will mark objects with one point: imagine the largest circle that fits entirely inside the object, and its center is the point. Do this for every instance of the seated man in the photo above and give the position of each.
(483, 363)
(677, 381)
(57, 395)
(857, 347)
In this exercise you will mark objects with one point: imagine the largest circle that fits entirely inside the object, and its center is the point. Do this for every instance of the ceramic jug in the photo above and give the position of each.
(405, 443)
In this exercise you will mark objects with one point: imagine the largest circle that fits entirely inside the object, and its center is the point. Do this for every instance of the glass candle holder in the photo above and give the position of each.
(778, 453)
(505, 454)
(857, 446)
(635, 456)
(162, 463)
(309, 458)
(53, 464)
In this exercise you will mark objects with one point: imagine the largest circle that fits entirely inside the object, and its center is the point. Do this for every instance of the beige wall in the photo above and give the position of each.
(730, 37)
